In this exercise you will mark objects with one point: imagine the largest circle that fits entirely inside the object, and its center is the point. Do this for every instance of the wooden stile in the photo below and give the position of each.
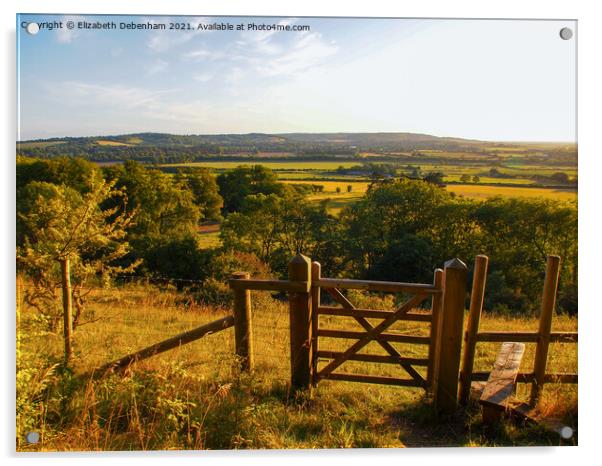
(477, 297)
(501, 382)
(450, 340)
(299, 270)
(243, 325)
(548, 304)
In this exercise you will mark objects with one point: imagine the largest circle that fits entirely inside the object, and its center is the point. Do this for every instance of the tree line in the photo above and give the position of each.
(131, 219)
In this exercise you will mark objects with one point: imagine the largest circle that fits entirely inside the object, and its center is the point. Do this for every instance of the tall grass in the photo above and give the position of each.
(194, 397)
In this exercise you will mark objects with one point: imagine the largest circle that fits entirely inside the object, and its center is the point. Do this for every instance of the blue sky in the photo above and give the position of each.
(489, 80)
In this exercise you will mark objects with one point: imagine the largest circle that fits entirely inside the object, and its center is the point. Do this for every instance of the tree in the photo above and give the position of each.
(276, 228)
(465, 178)
(235, 185)
(165, 206)
(202, 183)
(54, 223)
(435, 178)
(349, 188)
(476, 179)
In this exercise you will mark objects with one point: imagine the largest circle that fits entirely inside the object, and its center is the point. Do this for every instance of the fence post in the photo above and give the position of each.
(548, 303)
(477, 296)
(243, 328)
(67, 308)
(299, 269)
(316, 273)
(431, 376)
(450, 340)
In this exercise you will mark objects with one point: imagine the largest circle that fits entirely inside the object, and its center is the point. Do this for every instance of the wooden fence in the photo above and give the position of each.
(448, 385)
(542, 338)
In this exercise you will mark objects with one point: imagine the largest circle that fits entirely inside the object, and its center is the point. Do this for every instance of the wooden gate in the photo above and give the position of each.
(304, 286)
(416, 294)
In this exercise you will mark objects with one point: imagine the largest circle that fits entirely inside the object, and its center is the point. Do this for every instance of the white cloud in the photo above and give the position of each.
(203, 54)
(308, 50)
(158, 66)
(204, 77)
(82, 94)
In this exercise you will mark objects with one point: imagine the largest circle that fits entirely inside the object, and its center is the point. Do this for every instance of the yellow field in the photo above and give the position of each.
(484, 192)
(111, 143)
(331, 186)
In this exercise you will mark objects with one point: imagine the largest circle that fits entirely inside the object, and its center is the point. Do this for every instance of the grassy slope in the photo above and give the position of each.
(192, 397)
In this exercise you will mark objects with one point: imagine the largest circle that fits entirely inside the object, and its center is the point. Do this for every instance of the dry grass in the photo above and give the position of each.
(194, 398)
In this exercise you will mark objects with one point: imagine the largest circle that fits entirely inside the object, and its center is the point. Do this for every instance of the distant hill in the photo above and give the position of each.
(163, 148)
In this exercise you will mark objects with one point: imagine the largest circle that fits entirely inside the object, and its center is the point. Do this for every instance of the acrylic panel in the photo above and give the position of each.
(295, 232)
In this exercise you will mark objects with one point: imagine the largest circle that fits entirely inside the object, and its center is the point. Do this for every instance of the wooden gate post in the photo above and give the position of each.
(316, 274)
(67, 308)
(472, 327)
(548, 303)
(450, 341)
(243, 328)
(436, 305)
(299, 269)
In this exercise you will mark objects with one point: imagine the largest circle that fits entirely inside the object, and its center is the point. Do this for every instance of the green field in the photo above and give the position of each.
(274, 165)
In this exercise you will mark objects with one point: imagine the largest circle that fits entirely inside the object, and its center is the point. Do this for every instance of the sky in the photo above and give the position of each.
(496, 80)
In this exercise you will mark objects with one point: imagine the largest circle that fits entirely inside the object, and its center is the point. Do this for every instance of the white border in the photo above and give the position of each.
(590, 151)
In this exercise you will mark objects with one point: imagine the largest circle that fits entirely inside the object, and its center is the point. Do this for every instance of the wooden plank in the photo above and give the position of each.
(301, 286)
(373, 379)
(371, 335)
(370, 314)
(391, 337)
(501, 382)
(374, 358)
(337, 295)
(369, 285)
(526, 337)
(170, 343)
